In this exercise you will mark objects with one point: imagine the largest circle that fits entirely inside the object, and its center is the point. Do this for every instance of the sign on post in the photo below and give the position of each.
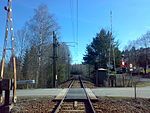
(131, 67)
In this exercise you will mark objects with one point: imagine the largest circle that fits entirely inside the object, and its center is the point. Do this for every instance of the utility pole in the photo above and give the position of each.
(54, 59)
(9, 28)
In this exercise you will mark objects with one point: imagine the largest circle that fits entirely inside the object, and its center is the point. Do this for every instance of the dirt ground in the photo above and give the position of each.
(122, 105)
(104, 105)
(32, 105)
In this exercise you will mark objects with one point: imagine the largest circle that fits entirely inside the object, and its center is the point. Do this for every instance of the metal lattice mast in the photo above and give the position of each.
(109, 60)
(9, 29)
(114, 60)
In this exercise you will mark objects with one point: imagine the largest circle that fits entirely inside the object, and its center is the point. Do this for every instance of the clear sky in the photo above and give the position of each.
(131, 19)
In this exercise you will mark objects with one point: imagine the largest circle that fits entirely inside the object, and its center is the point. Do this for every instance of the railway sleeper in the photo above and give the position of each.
(71, 105)
(79, 104)
(68, 108)
(72, 111)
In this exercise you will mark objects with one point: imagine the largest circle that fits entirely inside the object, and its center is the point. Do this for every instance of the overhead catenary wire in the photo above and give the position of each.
(77, 7)
(72, 19)
(74, 23)
(77, 10)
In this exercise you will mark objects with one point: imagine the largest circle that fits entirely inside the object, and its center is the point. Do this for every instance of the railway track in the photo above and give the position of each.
(74, 105)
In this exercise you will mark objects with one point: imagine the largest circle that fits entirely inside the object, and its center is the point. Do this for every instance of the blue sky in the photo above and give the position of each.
(131, 19)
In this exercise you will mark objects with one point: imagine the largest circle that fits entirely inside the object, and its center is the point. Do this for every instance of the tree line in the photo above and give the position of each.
(137, 52)
(99, 51)
(34, 50)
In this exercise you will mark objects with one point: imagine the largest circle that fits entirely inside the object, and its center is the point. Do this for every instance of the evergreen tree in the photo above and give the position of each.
(97, 53)
(25, 66)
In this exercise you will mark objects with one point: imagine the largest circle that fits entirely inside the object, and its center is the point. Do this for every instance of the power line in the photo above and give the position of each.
(77, 41)
(72, 19)
(77, 7)
(74, 24)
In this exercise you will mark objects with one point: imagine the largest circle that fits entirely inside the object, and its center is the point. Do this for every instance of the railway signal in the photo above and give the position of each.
(131, 67)
(9, 29)
(123, 64)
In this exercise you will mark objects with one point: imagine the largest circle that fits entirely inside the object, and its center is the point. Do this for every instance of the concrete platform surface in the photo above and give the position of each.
(61, 94)
(76, 93)
(143, 92)
(38, 92)
(91, 94)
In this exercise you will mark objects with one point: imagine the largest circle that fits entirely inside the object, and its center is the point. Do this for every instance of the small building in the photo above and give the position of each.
(101, 77)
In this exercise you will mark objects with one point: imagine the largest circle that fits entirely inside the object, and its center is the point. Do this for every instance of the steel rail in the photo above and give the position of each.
(61, 102)
(92, 110)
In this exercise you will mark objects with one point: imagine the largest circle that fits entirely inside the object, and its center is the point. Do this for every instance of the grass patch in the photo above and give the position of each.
(143, 84)
(116, 97)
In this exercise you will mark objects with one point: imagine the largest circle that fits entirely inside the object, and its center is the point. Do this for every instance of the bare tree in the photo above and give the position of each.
(137, 49)
(22, 43)
(41, 27)
(144, 41)
(36, 50)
